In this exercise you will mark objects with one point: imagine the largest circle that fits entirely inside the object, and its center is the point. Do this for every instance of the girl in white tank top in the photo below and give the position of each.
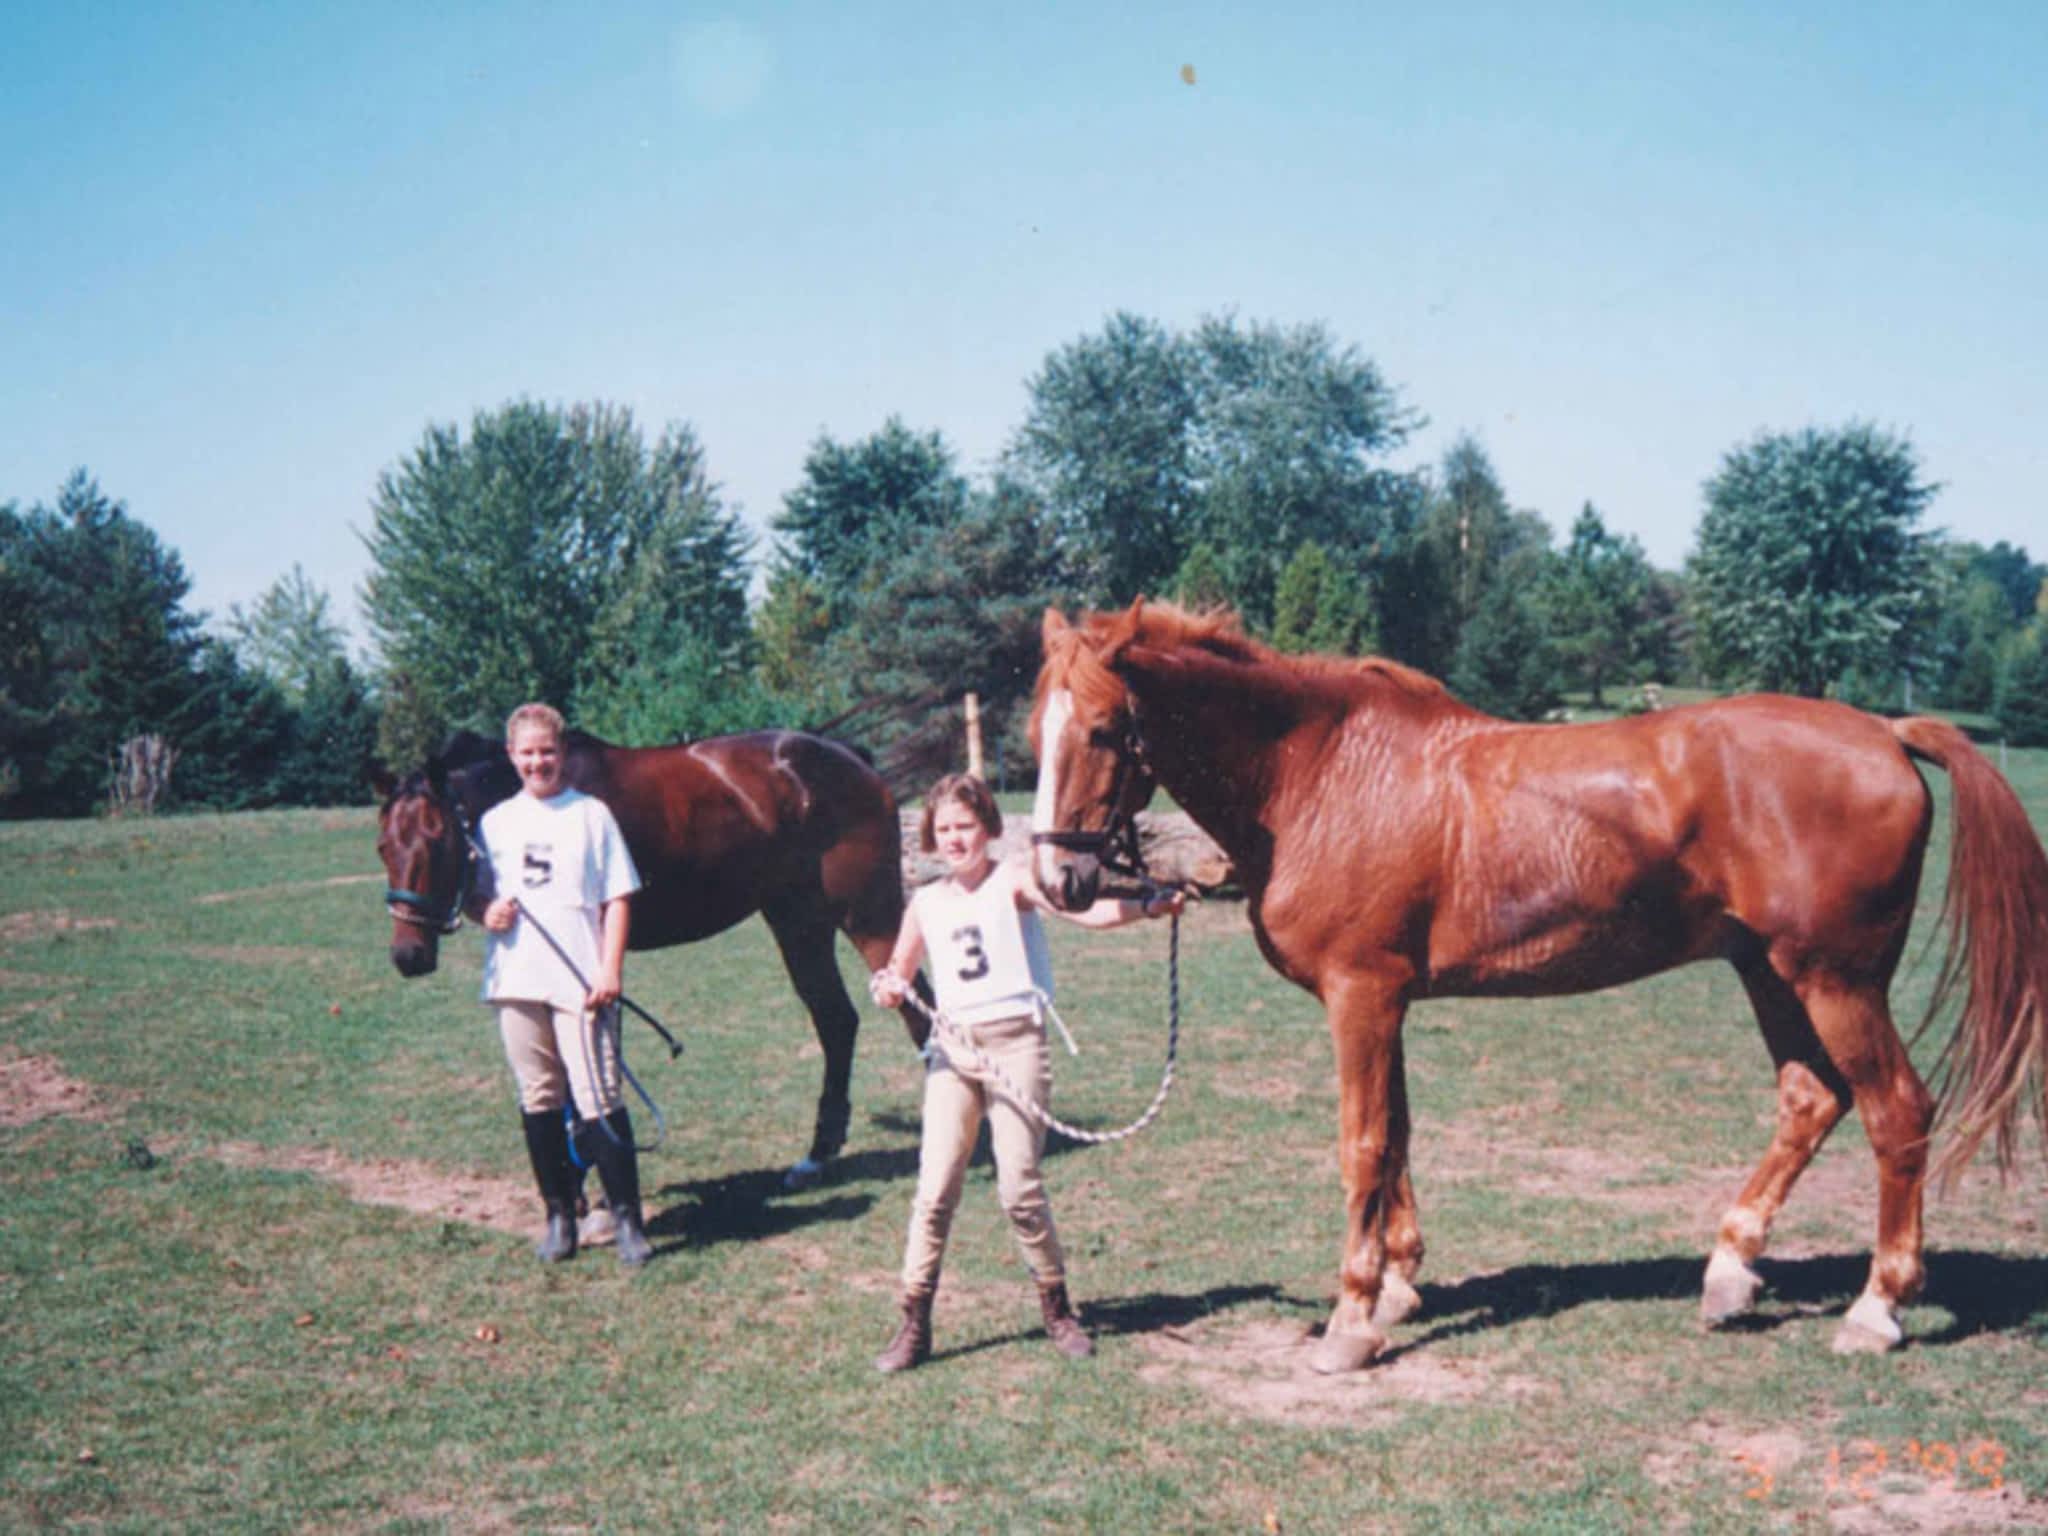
(979, 928)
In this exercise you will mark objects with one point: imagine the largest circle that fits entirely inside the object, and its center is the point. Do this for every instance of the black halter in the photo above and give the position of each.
(1116, 845)
(418, 908)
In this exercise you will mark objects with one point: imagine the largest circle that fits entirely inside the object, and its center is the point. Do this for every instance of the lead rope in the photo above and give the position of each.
(964, 1035)
(588, 1019)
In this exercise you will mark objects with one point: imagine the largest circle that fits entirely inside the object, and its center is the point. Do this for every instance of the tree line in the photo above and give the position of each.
(559, 552)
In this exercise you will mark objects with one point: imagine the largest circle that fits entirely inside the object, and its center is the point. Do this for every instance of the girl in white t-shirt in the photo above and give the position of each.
(980, 932)
(558, 861)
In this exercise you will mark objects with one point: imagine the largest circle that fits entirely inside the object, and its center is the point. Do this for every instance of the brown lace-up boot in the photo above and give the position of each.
(1061, 1326)
(913, 1342)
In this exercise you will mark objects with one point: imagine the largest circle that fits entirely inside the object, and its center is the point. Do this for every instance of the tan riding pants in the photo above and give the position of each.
(562, 1055)
(956, 1097)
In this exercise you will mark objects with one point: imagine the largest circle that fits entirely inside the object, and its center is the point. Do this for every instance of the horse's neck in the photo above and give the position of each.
(1213, 733)
(1243, 746)
(484, 784)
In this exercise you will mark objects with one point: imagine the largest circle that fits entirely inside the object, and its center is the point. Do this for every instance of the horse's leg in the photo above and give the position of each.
(806, 941)
(875, 949)
(1812, 1097)
(1365, 1029)
(871, 923)
(1399, 1300)
(1854, 1022)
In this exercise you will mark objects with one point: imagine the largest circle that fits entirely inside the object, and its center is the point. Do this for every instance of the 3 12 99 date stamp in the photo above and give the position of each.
(1857, 1469)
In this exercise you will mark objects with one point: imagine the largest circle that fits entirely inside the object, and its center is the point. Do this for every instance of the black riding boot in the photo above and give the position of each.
(608, 1145)
(547, 1145)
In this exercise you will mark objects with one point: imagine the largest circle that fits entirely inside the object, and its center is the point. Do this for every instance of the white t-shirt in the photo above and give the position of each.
(564, 858)
(988, 956)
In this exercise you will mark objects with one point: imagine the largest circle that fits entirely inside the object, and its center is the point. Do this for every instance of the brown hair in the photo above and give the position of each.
(959, 789)
(545, 716)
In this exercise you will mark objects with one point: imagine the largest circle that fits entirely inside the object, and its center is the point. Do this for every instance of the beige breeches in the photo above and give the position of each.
(956, 1097)
(561, 1055)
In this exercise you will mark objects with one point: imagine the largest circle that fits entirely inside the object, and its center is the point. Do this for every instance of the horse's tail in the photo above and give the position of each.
(1996, 912)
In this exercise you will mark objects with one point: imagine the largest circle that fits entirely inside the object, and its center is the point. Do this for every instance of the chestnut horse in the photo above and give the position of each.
(1396, 845)
(793, 826)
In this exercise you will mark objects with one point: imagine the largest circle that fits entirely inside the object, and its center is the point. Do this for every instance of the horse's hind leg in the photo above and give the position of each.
(1812, 1097)
(1855, 1025)
(806, 941)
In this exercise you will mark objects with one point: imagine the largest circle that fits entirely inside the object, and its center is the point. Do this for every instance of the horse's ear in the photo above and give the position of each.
(382, 781)
(437, 774)
(1123, 630)
(1052, 626)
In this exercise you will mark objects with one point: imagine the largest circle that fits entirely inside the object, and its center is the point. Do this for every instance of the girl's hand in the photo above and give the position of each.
(1160, 903)
(501, 914)
(887, 988)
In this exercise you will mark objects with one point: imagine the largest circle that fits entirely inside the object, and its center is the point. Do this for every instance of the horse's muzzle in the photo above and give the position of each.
(414, 958)
(1079, 881)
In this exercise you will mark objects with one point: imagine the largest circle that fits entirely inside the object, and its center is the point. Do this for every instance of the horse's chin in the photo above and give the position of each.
(414, 959)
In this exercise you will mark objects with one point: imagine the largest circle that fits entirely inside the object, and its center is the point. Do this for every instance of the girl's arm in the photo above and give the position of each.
(1110, 911)
(609, 982)
(891, 984)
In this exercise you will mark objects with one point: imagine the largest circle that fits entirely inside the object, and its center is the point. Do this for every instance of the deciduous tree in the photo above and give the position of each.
(1810, 560)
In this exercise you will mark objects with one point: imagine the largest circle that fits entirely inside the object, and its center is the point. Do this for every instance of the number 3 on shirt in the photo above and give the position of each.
(969, 940)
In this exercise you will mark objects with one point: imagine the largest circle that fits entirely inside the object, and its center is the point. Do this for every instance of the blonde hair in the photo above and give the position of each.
(959, 789)
(542, 716)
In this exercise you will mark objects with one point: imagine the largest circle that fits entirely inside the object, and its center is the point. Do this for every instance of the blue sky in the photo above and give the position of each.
(254, 250)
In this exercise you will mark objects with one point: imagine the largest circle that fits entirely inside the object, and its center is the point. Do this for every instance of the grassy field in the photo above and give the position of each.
(211, 1083)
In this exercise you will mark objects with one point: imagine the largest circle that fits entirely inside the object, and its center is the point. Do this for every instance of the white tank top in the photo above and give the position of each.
(988, 957)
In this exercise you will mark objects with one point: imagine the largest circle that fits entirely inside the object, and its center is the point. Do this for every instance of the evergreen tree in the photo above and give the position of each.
(287, 635)
(101, 649)
(1504, 663)
(1597, 603)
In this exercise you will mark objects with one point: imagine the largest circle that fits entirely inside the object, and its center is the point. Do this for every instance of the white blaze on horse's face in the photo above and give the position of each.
(1045, 805)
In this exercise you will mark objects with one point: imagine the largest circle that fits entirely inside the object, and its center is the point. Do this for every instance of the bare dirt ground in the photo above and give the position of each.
(34, 1088)
(17, 926)
(1260, 1370)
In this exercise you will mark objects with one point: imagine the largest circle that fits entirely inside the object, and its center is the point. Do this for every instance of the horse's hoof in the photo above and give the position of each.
(1730, 1290)
(1335, 1353)
(1398, 1302)
(1869, 1329)
(1855, 1339)
(803, 1174)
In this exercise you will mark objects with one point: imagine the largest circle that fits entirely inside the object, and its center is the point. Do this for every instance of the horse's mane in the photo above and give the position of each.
(1081, 659)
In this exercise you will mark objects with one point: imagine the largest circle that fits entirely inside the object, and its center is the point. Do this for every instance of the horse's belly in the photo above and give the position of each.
(1565, 952)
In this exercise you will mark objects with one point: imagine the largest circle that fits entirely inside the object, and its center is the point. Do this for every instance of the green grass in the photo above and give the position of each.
(205, 1345)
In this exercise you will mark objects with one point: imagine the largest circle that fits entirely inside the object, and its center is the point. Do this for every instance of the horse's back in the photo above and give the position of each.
(1596, 853)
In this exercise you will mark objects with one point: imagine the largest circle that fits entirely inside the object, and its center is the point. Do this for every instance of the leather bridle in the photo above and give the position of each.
(418, 909)
(1115, 846)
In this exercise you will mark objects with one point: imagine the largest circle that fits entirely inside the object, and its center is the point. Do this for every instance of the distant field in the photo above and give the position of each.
(264, 1254)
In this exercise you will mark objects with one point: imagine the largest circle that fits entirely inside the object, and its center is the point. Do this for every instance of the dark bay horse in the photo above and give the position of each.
(795, 827)
(1396, 845)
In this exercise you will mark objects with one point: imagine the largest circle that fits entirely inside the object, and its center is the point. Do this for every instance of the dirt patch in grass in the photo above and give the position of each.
(214, 898)
(36, 1088)
(1260, 1370)
(17, 926)
(503, 1205)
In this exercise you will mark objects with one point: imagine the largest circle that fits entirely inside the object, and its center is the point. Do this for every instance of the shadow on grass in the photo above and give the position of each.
(737, 1206)
(1130, 1315)
(1982, 1292)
